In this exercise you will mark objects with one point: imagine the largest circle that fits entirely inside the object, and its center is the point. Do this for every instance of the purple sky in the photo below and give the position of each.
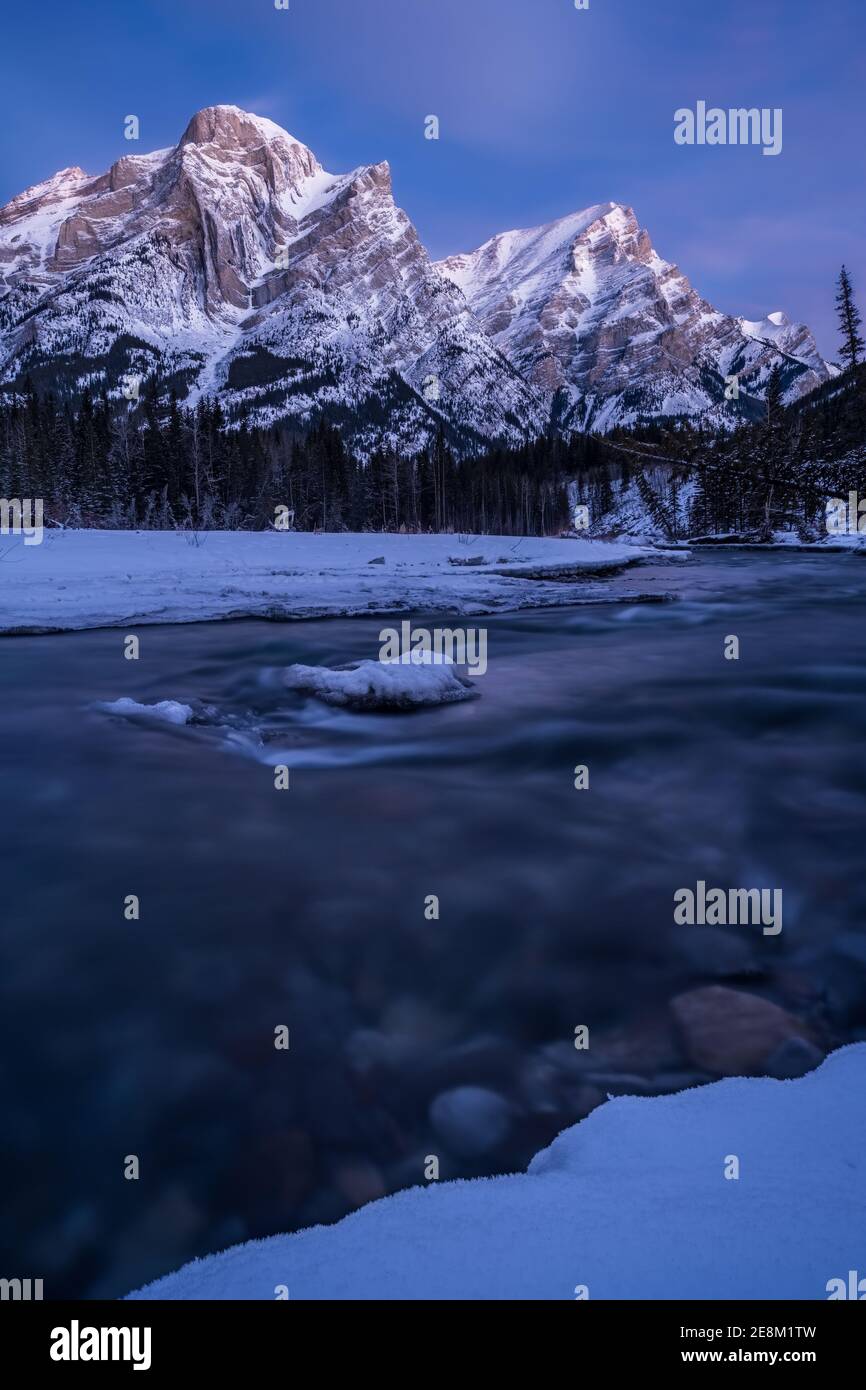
(544, 109)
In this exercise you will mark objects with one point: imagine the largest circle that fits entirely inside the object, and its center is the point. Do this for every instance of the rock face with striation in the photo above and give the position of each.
(234, 265)
(244, 266)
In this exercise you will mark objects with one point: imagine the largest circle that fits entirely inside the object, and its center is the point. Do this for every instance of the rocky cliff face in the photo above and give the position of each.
(237, 261)
(234, 264)
(609, 332)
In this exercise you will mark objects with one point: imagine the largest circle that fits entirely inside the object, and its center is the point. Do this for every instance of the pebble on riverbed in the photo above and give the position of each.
(471, 1120)
(794, 1058)
(729, 1033)
(715, 953)
(845, 975)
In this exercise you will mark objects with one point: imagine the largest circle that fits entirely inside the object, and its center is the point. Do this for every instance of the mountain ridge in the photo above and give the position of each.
(612, 333)
(233, 264)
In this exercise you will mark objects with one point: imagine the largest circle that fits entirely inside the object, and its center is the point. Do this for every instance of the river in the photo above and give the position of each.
(305, 908)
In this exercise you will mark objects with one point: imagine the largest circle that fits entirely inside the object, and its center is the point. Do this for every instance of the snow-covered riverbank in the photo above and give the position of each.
(86, 579)
(741, 1189)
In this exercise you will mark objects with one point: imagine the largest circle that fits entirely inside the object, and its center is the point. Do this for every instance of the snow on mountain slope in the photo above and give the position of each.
(233, 263)
(236, 262)
(792, 339)
(590, 313)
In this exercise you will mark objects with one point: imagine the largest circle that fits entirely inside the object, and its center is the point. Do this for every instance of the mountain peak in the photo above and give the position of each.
(609, 332)
(69, 175)
(230, 127)
(228, 152)
(53, 188)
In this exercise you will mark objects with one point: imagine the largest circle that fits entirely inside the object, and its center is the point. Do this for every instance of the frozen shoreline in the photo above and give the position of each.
(77, 580)
(638, 1201)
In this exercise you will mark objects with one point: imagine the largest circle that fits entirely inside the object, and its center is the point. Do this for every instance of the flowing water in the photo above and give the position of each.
(306, 907)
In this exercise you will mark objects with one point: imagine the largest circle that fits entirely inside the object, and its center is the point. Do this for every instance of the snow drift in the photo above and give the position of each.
(632, 1203)
(84, 579)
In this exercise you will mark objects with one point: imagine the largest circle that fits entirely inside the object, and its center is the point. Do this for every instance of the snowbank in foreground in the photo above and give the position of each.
(82, 579)
(631, 1203)
(377, 685)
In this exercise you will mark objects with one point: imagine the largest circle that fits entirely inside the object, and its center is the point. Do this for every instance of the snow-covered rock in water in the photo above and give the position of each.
(164, 711)
(381, 685)
(610, 333)
(632, 1203)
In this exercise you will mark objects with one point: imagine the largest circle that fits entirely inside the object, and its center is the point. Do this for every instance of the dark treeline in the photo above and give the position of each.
(158, 465)
(779, 472)
(774, 474)
(162, 466)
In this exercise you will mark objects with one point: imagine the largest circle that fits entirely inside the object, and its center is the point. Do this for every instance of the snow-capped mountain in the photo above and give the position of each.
(791, 339)
(237, 261)
(609, 332)
(234, 264)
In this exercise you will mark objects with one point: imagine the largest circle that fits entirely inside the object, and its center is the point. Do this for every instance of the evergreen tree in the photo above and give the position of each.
(157, 463)
(849, 321)
(774, 397)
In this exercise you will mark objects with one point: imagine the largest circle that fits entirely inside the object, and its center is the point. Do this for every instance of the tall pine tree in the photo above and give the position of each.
(849, 322)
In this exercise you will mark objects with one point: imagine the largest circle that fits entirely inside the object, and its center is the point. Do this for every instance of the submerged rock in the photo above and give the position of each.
(845, 976)
(794, 1058)
(716, 953)
(471, 1120)
(730, 1033)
